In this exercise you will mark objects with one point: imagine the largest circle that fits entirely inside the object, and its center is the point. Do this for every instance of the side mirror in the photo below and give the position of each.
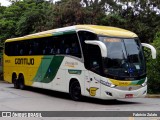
(101, 45)
(153, 50)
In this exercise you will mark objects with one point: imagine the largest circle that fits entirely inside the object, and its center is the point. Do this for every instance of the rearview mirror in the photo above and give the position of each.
(101, 45)
(153, 50)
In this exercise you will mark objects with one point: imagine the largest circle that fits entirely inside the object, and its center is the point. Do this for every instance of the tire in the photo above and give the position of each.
(75, 91)
(15, 83)
(21, 83)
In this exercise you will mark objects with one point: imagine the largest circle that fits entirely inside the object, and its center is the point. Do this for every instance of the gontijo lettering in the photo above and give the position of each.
(24, 61)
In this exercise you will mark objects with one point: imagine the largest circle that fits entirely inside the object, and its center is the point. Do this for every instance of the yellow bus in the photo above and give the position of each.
(82, 60)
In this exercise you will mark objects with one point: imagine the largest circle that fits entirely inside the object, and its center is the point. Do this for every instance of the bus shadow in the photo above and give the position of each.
(109, 102)
(50, 93)
(66, 96)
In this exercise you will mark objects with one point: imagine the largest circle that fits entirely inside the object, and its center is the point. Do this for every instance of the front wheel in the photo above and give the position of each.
(75, 91)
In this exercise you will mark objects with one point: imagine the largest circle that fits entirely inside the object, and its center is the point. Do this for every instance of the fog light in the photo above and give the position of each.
(145, 92)
(108, 93)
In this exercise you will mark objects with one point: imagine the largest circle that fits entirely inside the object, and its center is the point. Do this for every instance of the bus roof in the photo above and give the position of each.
(101, 30)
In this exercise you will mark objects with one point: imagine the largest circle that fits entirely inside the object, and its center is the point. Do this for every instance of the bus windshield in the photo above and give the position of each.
(125, 58)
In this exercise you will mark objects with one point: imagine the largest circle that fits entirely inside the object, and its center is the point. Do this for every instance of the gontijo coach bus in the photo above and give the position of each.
(82, 60)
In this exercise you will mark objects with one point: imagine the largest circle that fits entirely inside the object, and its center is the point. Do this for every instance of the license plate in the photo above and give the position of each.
(129, 96)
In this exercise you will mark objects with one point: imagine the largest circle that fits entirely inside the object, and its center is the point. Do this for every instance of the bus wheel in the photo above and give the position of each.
(21, 83)
(15, 83)
(75, 90)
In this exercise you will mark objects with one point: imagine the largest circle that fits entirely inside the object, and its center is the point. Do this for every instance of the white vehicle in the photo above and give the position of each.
(83, 60)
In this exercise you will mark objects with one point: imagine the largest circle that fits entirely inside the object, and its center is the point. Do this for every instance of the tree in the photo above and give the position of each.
(22, 17)
(33, 18)
(153, 68)
(8, 20)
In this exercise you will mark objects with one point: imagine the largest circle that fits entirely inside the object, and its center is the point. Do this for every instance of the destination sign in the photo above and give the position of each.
(112, 40)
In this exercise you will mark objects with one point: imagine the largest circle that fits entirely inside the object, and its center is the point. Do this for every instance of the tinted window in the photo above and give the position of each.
(84, 35)
(65, 44)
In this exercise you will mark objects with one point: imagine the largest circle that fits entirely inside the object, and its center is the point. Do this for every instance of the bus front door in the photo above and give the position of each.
(94, 65)
(92, 84)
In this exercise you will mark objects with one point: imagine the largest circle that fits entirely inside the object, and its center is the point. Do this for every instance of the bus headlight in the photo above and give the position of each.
(112, 86)
(107, 84)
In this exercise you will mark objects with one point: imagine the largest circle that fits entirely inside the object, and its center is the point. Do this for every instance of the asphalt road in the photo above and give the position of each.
(35, 99)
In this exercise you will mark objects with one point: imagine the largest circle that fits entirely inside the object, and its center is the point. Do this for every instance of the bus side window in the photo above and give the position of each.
(95, 66)
(53, 50)
(55, 45)
(94, 59)
(52, 43)
(68, 50)
(7, 49)
(21, 51)
(71, 44)
(62, 46)
(30, 52)
(85, 35)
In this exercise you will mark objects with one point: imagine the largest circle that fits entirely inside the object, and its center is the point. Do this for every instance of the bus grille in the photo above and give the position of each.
(128, 88)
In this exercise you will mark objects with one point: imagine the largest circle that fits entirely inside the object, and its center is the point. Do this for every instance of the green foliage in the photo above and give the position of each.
(23, 17)
(34, 15)
(153, 69)
(29, 16)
